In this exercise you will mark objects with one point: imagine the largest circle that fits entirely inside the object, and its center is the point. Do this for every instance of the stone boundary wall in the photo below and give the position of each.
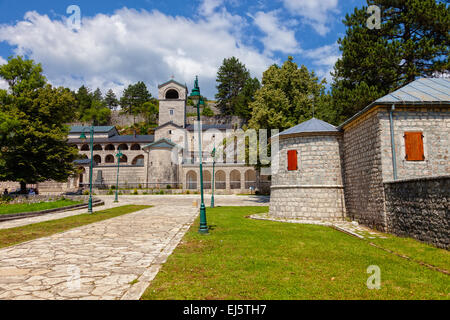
(363, 180)
(308, 202)
(420, 208)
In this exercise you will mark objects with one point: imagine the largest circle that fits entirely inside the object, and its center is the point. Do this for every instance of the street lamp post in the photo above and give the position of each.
(119, 155)
(83, 137)
(213, 154)
(198, 100)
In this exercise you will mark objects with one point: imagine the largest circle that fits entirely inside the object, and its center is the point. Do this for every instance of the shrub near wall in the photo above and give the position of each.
(419, 208)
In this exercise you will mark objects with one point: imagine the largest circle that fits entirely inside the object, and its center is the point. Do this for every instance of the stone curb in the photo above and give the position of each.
(23, 215)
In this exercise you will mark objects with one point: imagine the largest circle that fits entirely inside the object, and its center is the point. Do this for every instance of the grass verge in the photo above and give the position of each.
(252, 259)
(9, 237)
(32, 207)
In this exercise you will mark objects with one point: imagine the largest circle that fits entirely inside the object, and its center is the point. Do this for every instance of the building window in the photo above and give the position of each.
(171, 112)
(414, 146)
(170, 131)
(292, 160)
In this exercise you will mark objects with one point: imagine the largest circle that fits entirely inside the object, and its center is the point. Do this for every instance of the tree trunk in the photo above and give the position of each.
(23, 188)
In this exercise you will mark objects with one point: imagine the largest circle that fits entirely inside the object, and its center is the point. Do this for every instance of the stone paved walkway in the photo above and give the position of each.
(111, 259)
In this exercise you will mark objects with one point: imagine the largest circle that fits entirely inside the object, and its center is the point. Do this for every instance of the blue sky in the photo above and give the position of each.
(122, 42)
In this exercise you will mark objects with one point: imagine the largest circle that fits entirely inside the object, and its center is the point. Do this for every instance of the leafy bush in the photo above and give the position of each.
(168, 186)
(207, 112)
(110, 192)
(135, 192)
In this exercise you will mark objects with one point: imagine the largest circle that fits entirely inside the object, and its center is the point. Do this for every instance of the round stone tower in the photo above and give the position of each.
(307, 184)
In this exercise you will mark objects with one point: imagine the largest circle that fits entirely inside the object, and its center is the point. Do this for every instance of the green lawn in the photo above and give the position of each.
(243, 258)
(9, 237)
(32, 207)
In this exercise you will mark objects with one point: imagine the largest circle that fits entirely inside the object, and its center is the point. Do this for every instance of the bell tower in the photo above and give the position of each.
(172, 97)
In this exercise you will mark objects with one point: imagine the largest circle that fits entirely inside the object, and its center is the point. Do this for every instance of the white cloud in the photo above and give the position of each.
(278, 37)
(112, 51)
(3, 83)
(324, 58)
(209, 6)
(316, 13)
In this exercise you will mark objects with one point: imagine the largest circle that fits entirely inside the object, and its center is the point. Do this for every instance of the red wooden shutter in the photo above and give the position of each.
(414, 146)
(292, 160)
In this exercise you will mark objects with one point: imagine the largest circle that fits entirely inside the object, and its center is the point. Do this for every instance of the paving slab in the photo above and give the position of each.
(111, 259)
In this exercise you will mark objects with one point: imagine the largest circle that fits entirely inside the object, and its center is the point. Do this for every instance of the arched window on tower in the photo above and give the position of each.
(172, 94)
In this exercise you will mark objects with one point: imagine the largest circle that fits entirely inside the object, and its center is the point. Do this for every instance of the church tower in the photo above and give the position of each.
(172, 97)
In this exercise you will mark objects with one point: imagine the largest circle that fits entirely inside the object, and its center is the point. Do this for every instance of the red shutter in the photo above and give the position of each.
(414, 146)
(292, 160)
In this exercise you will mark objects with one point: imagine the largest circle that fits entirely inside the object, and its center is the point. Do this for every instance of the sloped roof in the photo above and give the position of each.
(97, 129)
(120, 139)
(311, 126)
(191, 127)
(423, 91)
(419, 91)
(172, 81)
(161, 143)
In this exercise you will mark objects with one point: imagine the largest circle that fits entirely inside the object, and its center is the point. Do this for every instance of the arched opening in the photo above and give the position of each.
(98, 147)
(123, 159)
(97, 159)
(135, 147)
(235, 179)
(191, 180)
(206, 179)
(250, 179)
(123, 146)
(220, 180)
(138, 161)
(110, 147)
(84, 147)
(172, 94)
(109, 158)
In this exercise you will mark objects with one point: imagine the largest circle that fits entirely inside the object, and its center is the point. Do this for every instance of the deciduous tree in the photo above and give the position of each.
(35, 148)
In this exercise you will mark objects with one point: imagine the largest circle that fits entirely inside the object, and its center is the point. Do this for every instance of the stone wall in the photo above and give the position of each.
(364, 194)
(419, 208)
(10, 185)
(434, 123)
(314, 191)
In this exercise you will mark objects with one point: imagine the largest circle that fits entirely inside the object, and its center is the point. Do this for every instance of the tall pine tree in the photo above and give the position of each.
(231, 78)
(413, 42)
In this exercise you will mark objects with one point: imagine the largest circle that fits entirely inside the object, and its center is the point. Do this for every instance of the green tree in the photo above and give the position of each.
(84, 99)
(35, 148)
(231, 78)
(287, 97)
(246, 97)
(150, 110)
(413, 41)
(111, 100)
(133, 98)
(97, 95)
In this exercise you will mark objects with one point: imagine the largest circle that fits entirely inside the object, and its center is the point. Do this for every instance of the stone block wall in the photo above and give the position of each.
(307, 203)
(364, 193)
(434, 123)
(420, 208)
(319, 161)
(314, 191)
